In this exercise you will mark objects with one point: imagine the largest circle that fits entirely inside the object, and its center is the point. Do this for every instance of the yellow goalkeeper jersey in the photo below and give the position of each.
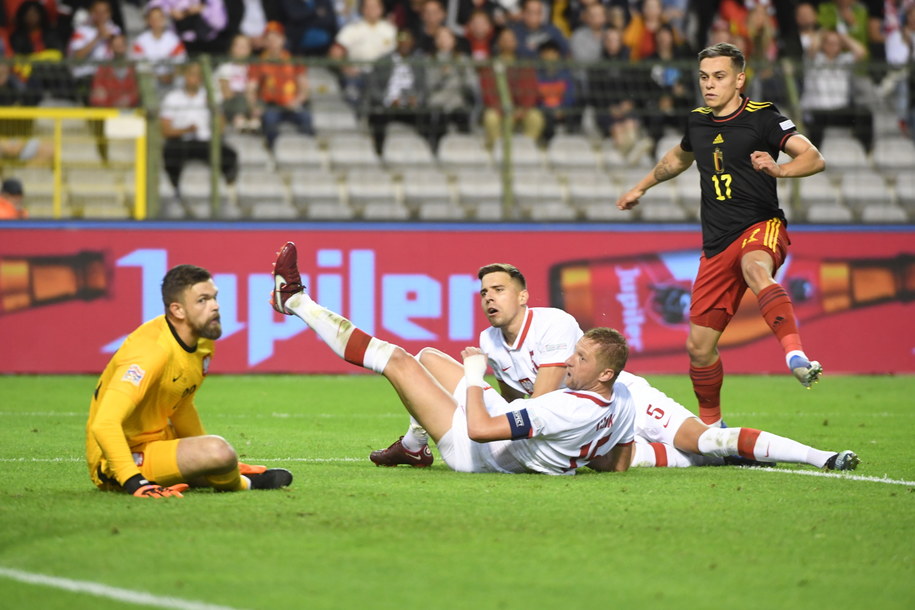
(145, 394)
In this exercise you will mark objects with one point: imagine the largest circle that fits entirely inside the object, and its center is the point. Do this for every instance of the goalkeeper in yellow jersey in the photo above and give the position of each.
(144, 435)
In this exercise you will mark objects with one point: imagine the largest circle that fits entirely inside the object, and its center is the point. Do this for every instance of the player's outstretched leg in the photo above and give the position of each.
(763, 446)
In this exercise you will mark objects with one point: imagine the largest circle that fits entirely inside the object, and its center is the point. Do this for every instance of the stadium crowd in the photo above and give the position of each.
(426, 62)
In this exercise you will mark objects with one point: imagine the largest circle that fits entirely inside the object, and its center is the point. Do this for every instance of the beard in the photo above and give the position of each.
(211, 330)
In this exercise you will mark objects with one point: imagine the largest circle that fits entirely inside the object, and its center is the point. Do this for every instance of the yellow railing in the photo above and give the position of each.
(117, 124)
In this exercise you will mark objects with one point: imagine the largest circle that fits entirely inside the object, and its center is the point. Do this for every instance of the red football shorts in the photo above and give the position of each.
(719, 285)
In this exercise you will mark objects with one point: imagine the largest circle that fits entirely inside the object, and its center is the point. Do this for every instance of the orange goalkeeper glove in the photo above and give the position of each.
(138, 486)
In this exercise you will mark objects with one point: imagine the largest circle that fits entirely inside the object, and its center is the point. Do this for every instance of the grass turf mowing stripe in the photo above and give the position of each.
(100, 590)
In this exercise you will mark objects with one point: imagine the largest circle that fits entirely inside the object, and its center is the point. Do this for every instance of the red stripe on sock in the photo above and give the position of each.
(746, 442)
(355, 348)
(660, 455)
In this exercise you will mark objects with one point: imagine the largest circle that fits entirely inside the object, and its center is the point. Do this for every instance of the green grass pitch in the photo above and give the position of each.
(350, 535)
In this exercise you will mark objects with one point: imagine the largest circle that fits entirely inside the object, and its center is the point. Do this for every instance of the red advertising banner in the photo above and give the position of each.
(70, 292)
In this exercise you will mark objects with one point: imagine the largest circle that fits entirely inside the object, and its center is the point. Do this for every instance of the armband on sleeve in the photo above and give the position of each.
(520, 424)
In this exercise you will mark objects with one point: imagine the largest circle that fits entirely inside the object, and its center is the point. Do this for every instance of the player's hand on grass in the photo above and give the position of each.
(138, 486)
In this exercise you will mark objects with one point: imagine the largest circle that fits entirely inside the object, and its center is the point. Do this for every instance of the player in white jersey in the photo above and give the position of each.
(555, 433)
(527, 348)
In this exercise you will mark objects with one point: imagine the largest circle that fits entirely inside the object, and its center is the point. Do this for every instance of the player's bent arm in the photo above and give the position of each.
(617, 460)
(549, 378)
(481, 426)
(806, 158)
(108, 431)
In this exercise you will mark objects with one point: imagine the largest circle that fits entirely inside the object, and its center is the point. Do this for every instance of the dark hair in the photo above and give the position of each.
(725, 49)
(614, 351)
(180, 278)
(511, 270)
(549, 45)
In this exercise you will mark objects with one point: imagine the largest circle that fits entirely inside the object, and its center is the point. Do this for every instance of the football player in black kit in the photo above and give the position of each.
(734, 142)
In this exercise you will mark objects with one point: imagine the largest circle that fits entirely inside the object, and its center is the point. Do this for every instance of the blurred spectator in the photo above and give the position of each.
(11, 194)
(311, 25)
(397, 92)
(639, 35)
(460, 11)
(900, 54)
(847, 17)
(451, 83)
(432, 19)
(828, 98)
(675, 13)
(612, 91)
(91, 42)
(115, 85)
(480, 33)
(248, 18)
(673, 96)
(33, 35)
(11, 9)
(586, 42)
(557, 97)
(807, 25)
(232, 77)
(278, 88)
(35, 39)
(158, 45)
(362, 42)
(198, 22)
(187, 128)
(73, 13)
(522, 87)
(534, 29)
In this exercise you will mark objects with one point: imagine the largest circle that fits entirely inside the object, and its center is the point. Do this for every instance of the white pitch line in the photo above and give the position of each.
(834, 475)
(100, 590)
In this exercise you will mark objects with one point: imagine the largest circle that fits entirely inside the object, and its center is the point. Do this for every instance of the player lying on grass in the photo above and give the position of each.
(144, 435)
(588, 424)
(527, 347)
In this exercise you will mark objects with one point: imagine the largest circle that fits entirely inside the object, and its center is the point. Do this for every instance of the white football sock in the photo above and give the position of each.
(336, 331)
(415, 437)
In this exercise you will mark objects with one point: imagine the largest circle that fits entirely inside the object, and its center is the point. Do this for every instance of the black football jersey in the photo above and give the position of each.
(734, 195)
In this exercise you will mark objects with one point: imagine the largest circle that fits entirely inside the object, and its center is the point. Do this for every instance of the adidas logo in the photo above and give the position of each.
(718, 139)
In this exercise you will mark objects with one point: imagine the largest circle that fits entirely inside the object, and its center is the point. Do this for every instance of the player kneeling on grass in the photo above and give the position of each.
(587, 424)
(144, 435)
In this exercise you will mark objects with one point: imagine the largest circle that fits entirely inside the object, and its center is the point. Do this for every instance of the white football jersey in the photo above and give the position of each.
(167, 48)
(564, 430)
(547, 338)
(657, 415)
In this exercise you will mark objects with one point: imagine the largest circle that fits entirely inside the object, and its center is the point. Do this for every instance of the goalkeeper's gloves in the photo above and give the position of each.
(138, 486)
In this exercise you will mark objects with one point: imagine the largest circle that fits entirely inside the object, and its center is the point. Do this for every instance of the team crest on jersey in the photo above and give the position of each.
(134, 375)
(206, 365)
(718, 139)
